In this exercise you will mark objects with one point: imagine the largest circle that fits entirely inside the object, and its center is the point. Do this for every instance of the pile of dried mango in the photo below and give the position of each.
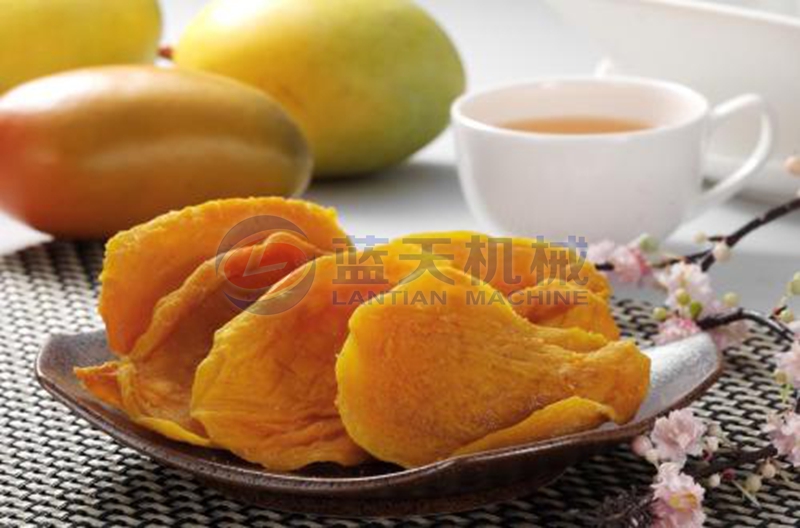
(347, 370)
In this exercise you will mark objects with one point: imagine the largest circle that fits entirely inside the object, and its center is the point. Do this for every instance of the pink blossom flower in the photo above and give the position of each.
(784, 432)
(641, 445)
(675, 329)
(678, 435)
(630, 264)
(678, 499)
(730, 334)
(600, 252)
(789, 364)
(688, 277)
(792, 165)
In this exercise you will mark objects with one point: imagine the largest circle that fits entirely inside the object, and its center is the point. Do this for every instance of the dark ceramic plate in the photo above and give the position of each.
(681, 372)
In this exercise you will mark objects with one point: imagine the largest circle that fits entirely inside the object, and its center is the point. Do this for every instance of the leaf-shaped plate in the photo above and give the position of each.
(680, 373)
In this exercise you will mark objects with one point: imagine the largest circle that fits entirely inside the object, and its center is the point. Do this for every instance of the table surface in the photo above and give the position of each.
(507, 41)
(55, 470)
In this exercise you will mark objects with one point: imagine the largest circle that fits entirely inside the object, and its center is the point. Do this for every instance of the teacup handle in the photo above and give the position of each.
(734, 182)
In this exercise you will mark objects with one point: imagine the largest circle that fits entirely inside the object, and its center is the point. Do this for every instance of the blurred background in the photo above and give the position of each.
(497, 44)
(500, 41)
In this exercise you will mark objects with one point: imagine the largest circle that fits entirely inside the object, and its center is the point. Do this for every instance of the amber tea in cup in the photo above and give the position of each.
(577, 125)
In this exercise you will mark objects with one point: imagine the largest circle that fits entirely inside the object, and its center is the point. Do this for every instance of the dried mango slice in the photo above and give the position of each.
(508, 264)
(153, 383)
(266, 390)
(417, 382)
(151, 260)
(102, 382)
(566, 305)
(574, 293)
(565, 417)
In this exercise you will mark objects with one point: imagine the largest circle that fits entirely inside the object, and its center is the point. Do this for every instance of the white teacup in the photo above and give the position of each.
(611, 185)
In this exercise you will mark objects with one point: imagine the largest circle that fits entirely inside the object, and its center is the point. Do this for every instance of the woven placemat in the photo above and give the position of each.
(56, 470)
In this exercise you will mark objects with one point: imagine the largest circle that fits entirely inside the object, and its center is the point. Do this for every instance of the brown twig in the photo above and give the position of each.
(706, 257)
(741, 457)
(631, 508)
(742, 314)
(627, 510)
(735, 237)
(736, 459)
(689, 259)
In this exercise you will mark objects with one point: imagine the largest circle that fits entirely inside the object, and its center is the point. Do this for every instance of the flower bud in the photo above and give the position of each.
(714, 481)
(715, 430)
(794, 287)
(786, 315)
(730, 299)
(701, 238)
(682, 297)
(712, 444)
(652, 456)
(780, 377)
(768, 470)
(753, 483)
(695, 309)
(648, 244)
(721, 252)
(641, 445)
(660, 314)
(792, 165)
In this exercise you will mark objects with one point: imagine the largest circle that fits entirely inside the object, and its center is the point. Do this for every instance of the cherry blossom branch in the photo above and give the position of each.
(742, 314)
(734, 238)
(661, 264)
(740, 457)
(685, 451)
(633, 508)
(737, 459)
(691, 306)
(628, 509)
(707, 257)
(690, 258)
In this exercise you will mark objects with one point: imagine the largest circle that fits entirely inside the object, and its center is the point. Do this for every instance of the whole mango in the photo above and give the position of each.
(40, 37)
(369, 81)
(90, 152)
